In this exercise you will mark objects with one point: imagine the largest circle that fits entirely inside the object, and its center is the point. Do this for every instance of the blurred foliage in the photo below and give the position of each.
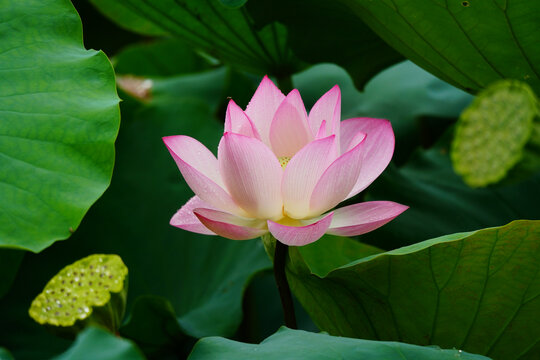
(154, 327)
(335, 35)
(5, 355)
(175, 75)
(162, 58)
(223, 32)
(530, 160)
(9, 265)
(98, 31)
(95, 343)
(233, 3)
(263, 314)
(420, 106)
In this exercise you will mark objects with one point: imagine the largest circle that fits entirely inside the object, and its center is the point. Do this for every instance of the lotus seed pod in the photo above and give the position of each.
(90, 291)
(492, 132)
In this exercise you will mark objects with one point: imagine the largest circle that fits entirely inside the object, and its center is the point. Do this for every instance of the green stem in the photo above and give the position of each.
(285, 83)
(280, 258)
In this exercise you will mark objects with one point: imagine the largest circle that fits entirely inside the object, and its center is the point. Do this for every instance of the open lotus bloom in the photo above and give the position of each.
(282, 171)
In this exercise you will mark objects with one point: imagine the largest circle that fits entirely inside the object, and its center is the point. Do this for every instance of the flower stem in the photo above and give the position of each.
(280, 258)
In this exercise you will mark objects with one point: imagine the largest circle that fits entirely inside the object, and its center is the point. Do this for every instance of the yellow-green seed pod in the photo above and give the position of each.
(90, 291)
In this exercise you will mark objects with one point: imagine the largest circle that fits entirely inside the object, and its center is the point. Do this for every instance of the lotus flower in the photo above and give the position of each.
(282, 171)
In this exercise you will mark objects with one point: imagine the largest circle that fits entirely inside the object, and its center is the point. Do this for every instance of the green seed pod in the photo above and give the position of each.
(92, 290)
(491, 134)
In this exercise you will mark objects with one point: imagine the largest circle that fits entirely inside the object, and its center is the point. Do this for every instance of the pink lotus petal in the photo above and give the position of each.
(252, 174)
(303, 172)
(186, 219)
(338, 180)
(290, 131)
(300, 235)
(378, 147)
(328, 108)
(262, 107)
(321, 133)
(356, 139)
(199, 167)
(364, 217)
(230, 226)
(238, 122)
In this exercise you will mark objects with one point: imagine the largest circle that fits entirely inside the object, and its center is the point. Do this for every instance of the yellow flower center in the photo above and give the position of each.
(285, 220)
(283, 161)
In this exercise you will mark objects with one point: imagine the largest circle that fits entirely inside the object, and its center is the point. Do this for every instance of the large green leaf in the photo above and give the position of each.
(60, 118)
(331, 252)
(474, 291)
(342, 39)
(467, 43)
(297, 344)
(203, 277)
(226, 33)
(441, 203)
(96, 343)
(493, 131)
(233, 3)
